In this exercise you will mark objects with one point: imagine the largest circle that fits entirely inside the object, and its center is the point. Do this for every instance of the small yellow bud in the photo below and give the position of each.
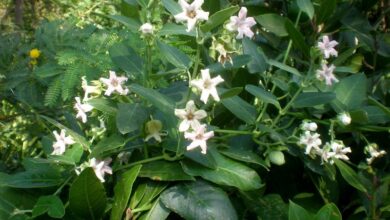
(35, 53)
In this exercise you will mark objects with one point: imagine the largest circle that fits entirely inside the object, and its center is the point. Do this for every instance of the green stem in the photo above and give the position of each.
(62, 186)
(287, 107)
(141, 162)
(290, 42)
(144, 208)
(233, 132)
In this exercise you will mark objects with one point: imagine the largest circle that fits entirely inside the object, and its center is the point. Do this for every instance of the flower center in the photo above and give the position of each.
(114, 82)
(207, 84)
(190, 116)
(191, 13)
(199, 136)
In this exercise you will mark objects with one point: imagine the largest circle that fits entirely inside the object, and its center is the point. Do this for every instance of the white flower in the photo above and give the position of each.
(372, 150)
(335, 150)
(311, 141)
(146, 29)
(61, 142)
(242, 24)
(190, 116)
(327, 74)
(327, 47)
(101, 167)
(191, 13)
(344, 118)
(207, 85)
(199, 138)
(88, 89)
(82, 109)
(114, 83)
(153, 128)
(223, 55)
(309, 126)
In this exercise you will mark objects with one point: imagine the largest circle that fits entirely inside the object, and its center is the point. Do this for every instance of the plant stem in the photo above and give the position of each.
(290, 42)
(232, 131)
(287, 107)
(62, 186)
(141, 162)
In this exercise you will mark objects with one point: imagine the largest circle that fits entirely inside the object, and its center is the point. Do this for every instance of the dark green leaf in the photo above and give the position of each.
(198, 200)
(131, 23)
(107, 144)
(231, 92)
(311, 99)
(274, 23)
(174, 55)
(157, 212)
(259, 60)
(352, 91)
(146, 193)
(297, 38)
(350, 175)
(172, 6)
(50, 204)
(218, 18)
(325, 9)
(35, 178)
(328, 212)
(122, 192)
(87, 197)
(126, 58)
(307, 7)
(284, 67)
(175, 29)
(263, 95)
(130, 117)
(103, 105)
(164, 171)
(14, 199)
(240, 108)
(296, 212)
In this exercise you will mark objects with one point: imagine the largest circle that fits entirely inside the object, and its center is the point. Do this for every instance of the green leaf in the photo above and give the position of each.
(122, 192)
(146, 193)
(205, 160)
(350, 175)
(352, 91)
(172, 6)
(103, 105)
(126, 58)
(228, 172)
(328, 212)
(274, 23)
(159, 100)
(296, 212)
(157, 212)
(131, 23)
(71, 156)
(307, 7)
(263, 95)
(258, 64)
(297, 38)
(164, 171)
(230, 93)
(284, 67)
(14, 199)
(50, 204)
(244, 155)
(174, 55)
(107, 144)
(240, 108)
(267, 207)
(175, 29)
(218, 18)
(130, 117)
(87, 197)
(198, 200)
(311, 99)
(35, 178)
(325, 9)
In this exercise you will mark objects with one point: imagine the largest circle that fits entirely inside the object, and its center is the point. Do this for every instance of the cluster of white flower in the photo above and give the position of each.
(372, 150)
(328, 50)
(310, 139)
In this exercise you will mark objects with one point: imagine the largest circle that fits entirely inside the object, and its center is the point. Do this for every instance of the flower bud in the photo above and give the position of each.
(146, 29)
(344, 118)
(276, 157)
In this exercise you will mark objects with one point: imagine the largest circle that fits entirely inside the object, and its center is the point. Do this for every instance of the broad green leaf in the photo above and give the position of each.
(328, 212)
(130, 117)
(47, 70)
(352, 91)
(174, 55)
(274, 23)
(238, 62)
(311, 99)
(268, 207)
(103, 105)
(107, 144)
(230, 92)
(350, 175)
(35, 178)
(240, 108)
(284, 67)
(131, 23)
(146, 193)
(71, 156)
(307, 7)
(87, 197)
(218, 18)
(205, 160)
(297, 38)
(228, 172)
(78, 138)
(199, 200)
(50, 204)
(296, 212)
(126, 58)
(241, 154)
(258, 64)
(164, 171)
(122, 192)
(376, 115)
(324, 11)
(14, 199)
(157, 99)
(157, 212)
(263, 95)
(359, 116)
(175, 29)
(172, 6)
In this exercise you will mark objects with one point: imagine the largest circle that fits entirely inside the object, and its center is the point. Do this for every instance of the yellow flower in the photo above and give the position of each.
(34, 53)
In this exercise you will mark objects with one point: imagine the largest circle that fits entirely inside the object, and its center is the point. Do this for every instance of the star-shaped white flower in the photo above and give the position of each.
(327, 47)
(326, 73)
(101, 167)
(114, 83)
(199, 138)
(207, 85)
(242, 24)
(374, 152)
(146, 29)
(61, 141)
(335, 150)
(191, 13)
(82, 109)
(190, 116)
(311, 141)
(88, 89)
